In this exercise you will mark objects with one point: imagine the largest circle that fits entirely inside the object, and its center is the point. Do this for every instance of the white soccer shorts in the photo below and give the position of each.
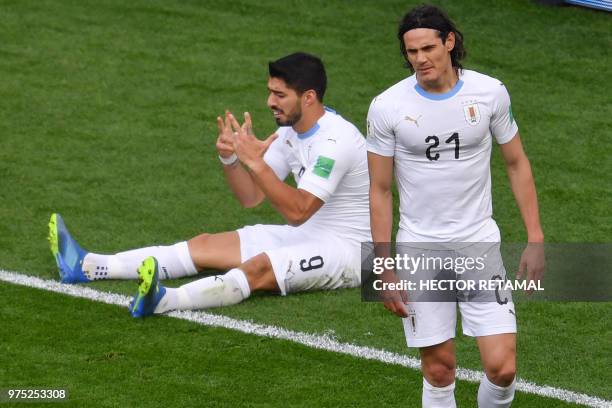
(433, 322)
(303, 260)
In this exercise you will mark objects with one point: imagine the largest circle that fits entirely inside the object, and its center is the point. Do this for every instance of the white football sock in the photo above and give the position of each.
(438, 397)
(212, 291)
(174, 262)
(494, 396)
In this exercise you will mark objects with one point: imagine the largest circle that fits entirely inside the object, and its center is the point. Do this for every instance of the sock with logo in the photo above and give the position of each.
(212, 291)
(174, 262)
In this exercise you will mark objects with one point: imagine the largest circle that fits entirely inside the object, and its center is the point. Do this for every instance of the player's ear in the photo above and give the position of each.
(450, 41)
(310, 97)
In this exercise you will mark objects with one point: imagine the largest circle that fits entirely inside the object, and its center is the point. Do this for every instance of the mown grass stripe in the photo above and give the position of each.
(318, 341)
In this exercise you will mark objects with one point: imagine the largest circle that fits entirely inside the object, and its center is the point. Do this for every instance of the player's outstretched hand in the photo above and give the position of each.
(225, 141)
(532, 263)
(249, 149)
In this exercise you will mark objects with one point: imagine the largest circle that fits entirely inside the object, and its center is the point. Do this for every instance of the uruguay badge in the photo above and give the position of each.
(472, 114)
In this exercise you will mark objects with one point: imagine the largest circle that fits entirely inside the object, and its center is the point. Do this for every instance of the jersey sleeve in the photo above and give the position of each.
(276, 158)
(380, 137)
(503, 126)
(331, 160)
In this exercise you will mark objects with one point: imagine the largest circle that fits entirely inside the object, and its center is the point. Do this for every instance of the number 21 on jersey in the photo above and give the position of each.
(434, 142)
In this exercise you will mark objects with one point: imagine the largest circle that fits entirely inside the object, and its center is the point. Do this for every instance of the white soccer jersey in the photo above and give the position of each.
(330, 162)
(441, 144)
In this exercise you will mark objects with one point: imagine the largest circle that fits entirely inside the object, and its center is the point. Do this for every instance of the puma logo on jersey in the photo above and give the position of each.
(289, 143)
(331, 140)
(415, 121)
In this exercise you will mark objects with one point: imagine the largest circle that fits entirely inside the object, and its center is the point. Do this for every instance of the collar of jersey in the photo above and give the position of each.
(439, 96)
(309, 132)
(316, 126)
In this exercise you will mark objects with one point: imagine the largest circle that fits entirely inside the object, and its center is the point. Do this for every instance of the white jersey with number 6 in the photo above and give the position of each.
(441, 144)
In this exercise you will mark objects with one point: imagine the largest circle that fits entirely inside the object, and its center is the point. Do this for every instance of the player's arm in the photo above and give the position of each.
(381, 222)
(381, 152)
(295, 205)
(381, 197)
(239, 179)
(523, 186)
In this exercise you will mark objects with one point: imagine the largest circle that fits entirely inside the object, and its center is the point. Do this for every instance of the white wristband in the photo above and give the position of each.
(228, 161)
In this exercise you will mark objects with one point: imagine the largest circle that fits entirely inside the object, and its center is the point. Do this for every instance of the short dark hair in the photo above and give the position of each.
(428, 16)
(301, 72)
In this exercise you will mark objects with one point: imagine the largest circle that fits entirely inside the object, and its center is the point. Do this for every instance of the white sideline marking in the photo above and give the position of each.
(322, 342)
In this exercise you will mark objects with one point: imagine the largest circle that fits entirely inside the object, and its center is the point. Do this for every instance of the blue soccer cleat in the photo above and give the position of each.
(150, 291)
(68, 254)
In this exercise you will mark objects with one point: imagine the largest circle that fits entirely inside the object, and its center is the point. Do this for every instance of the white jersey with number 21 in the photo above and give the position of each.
(441, 144)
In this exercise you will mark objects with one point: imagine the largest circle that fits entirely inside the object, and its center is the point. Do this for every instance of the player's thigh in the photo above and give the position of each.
(255, 239)
(431, 320)
(227, 250)
(496, 348)
(217, 251)
(488, 312)
(323, 264)
(487, 318)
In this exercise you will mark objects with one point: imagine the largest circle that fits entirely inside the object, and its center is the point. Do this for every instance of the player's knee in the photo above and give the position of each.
(438, 364)
(502, 374)
(259, 273)
(439, 373)
(198, 243)
(197, 246)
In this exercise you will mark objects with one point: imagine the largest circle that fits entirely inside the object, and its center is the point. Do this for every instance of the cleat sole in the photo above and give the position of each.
(53, 236)
(146, 271)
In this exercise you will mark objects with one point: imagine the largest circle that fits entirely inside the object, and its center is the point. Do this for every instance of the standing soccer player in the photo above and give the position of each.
(436, 128)
(327, 212)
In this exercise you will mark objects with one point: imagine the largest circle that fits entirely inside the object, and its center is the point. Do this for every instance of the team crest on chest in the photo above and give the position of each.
(472, 114)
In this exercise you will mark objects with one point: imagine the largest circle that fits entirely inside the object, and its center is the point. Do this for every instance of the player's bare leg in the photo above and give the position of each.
(498, 355)
(259, 273)
(438, 365)
(215, 251)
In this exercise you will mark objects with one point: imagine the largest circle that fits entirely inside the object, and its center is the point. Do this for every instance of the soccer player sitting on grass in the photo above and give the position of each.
(327, 213)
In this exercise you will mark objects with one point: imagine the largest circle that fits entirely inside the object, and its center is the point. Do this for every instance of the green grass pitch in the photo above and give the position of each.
(108, 117)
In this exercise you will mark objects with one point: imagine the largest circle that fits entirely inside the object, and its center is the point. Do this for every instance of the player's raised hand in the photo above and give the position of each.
(249, 149)
(225, 140)
(532, 263)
